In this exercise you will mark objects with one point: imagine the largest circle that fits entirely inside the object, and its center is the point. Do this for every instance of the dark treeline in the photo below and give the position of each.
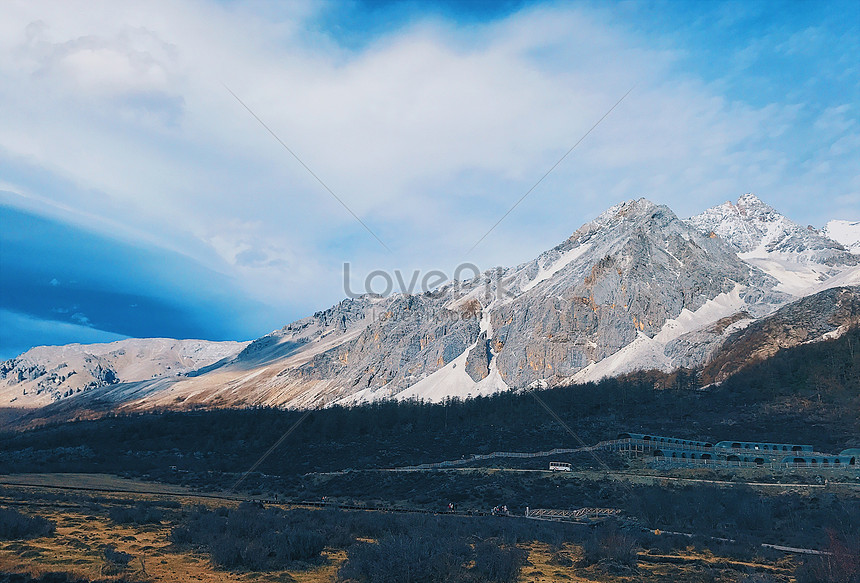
(806, 394)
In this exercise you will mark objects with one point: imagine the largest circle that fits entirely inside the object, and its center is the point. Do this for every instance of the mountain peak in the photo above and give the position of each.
(751, 200)
(628, 208)
(768, 240)
(749, 225)
(750, 205)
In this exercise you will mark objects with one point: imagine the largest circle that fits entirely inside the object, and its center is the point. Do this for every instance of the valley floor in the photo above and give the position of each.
(83, 508)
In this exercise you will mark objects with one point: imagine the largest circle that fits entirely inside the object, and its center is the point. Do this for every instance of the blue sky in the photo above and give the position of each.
(139, 198)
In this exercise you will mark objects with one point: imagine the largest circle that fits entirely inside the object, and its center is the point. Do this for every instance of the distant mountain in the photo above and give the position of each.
(46, 374)
(636, 288)
(800, 258)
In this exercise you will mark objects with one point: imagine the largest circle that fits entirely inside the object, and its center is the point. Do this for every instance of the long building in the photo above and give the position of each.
(733, 453)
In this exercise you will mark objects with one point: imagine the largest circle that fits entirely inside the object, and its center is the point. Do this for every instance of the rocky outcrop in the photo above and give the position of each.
(478, 359)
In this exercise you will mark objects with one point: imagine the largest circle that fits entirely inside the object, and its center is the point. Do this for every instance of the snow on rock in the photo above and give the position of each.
(846, 233)
(452, 380)
(721, 306)
(547, 271)
(642, 354)
(751, 226)
(800, 258)
(794, 277)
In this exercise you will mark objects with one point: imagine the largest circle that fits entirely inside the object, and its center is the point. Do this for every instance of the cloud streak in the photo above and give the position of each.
(429, 130)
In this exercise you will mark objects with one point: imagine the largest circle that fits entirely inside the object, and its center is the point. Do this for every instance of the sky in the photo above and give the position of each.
(204, 169)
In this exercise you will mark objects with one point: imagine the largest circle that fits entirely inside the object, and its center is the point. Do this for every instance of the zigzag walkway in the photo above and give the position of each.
(503, 454)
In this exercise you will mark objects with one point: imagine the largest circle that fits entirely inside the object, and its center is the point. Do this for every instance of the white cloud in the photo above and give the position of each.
(428, 133)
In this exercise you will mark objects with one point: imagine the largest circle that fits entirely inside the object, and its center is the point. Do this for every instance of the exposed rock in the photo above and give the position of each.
(806, 320)
(478, 361)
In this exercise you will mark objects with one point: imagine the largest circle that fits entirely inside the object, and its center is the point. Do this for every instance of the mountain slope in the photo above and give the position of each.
(637, 288)
(827, 314)
(47, 373)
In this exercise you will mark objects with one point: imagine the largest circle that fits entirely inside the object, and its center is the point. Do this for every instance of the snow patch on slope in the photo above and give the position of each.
(846, 233)
(715, 309)
(794, 278)
(646, 353)
(452, 380)
(801, 279)
(546, 272)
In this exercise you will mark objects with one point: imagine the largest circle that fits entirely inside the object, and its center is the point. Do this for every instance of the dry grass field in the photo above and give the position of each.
(76, 548)
(548, 565)
(84, 528)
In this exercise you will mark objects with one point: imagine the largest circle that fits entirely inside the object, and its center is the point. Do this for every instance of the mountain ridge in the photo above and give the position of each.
(635, 288)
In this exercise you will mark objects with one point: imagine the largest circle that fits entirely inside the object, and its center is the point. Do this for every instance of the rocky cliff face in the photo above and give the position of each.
(638, 266)
(636, 288)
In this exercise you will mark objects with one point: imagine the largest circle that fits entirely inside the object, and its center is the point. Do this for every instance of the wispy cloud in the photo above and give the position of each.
(429, 130)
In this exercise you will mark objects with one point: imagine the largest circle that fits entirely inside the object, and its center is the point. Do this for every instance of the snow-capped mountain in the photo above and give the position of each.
(750, 225)
(802, 259)
(636, 288)
(845, 232)
(46, 374)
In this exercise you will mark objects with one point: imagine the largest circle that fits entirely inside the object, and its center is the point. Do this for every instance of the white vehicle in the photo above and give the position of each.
(559, 467)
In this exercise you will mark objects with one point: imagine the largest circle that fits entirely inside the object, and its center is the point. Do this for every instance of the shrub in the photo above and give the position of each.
(842, 565)
(497, 564)
(761, 578)
(405, 558)
(250, 537)
(140, 513)
(611, 545)
(116, 558)
(14, 525)
(49, 578)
